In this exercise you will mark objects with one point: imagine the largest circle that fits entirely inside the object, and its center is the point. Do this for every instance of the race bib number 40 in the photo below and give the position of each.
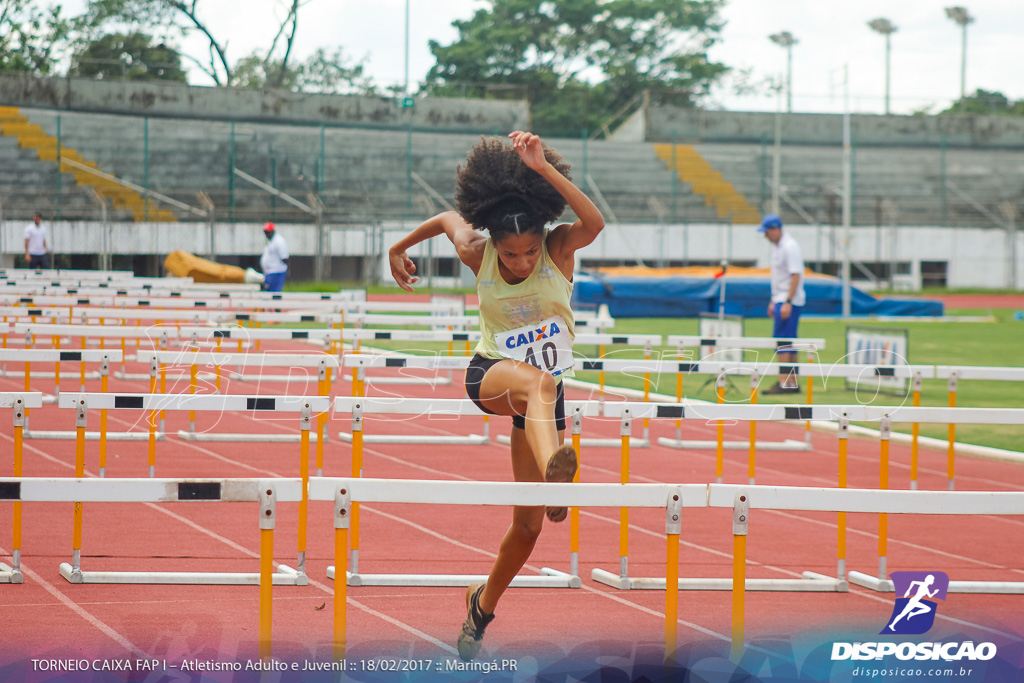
(546, 345)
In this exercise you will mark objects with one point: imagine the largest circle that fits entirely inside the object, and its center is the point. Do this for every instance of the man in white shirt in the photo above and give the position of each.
(274, 261)
(37, 251)
(788, 298)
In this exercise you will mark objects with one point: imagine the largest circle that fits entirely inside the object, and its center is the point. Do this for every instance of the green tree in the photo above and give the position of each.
(323, 73)
(985, 102)
(33, 40)
(184, 17)
(130, 56)
(581, 61)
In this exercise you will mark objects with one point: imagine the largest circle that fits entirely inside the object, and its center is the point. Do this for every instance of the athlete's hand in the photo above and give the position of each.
(529, 148)
(402, 269)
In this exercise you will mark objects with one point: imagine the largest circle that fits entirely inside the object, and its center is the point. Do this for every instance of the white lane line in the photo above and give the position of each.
(93, 621)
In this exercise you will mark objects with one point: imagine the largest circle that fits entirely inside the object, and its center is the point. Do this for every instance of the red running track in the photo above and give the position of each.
(47, 618)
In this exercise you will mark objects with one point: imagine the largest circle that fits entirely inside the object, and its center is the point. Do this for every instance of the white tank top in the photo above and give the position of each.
(504, 307)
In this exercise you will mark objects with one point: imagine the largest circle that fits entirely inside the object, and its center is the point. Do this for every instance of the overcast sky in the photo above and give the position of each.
(926, 49)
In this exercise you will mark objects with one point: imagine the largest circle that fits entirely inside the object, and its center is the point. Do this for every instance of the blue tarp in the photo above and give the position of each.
(675, 297)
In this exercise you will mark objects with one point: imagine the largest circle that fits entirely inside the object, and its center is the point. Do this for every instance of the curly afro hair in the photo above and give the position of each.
(497, 192)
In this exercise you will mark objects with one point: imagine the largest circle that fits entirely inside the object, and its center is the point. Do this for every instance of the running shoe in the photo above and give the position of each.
(472, 634)
(561, 468)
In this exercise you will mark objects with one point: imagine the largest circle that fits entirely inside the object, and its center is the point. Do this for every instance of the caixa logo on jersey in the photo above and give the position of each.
(525, 338)
(914, 613)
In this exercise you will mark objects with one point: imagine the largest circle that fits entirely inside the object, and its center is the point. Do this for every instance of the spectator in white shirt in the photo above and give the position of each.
(274, 261)
(788, 299)
(37, 251)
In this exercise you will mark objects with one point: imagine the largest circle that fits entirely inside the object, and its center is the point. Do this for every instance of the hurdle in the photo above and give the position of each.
(362, 361)
(447, 409)
(152, 403)
(756, 371)
(266, 492)
(709, 347)
(346, 494)
(742, 500)
(55, 356)
(953, 375)
(687, 410)
(19, 404)
(952, 416)
(322, 362)
(359, 378)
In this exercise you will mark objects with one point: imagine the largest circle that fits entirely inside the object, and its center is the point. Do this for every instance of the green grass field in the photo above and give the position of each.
(999, 343)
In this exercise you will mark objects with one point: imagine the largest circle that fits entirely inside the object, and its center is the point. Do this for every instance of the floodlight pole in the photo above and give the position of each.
(406, 87)
(886, 28)
(777, 153)
(962, 17)
(785, 39)
(847, 187)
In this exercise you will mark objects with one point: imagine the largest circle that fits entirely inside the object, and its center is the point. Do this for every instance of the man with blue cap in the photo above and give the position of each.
(788, 299)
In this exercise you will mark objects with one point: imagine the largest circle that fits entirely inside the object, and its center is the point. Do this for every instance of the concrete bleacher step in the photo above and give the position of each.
(14, 124)
(719, 193)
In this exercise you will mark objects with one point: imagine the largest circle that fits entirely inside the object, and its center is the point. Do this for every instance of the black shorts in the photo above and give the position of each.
(475, 372)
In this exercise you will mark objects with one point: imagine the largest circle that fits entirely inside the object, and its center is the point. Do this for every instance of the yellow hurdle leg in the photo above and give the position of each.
(357, 471)
(753, 432)
(625, 429)
(883, 483)
(844, 433)
(342, 519)
(304, 473)
(76, 533)
(951, 454)
(720, 431)
(19, 446)
(740, 524)
(915, 431)
(105, 370)
(266, 591)
(81, 368)
(673, 525)
(268, 514)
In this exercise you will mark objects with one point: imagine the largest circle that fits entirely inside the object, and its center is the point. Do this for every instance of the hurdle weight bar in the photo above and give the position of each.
(448, 408)
(347, 493)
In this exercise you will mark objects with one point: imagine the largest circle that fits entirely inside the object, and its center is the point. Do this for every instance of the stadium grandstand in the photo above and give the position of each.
(202, 163)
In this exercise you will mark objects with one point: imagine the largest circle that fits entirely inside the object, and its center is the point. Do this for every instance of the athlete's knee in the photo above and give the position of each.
(545, 389)
(527, 524)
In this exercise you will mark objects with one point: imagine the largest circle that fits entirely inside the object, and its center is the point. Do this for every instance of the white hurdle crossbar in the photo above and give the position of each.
(153, 403)
(323, 363)
(358, 407)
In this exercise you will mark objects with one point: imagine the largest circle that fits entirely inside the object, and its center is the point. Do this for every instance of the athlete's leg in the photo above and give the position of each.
(513, 388)
(522, 535)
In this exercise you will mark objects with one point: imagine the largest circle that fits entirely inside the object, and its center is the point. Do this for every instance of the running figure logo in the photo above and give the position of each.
(914, 613)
